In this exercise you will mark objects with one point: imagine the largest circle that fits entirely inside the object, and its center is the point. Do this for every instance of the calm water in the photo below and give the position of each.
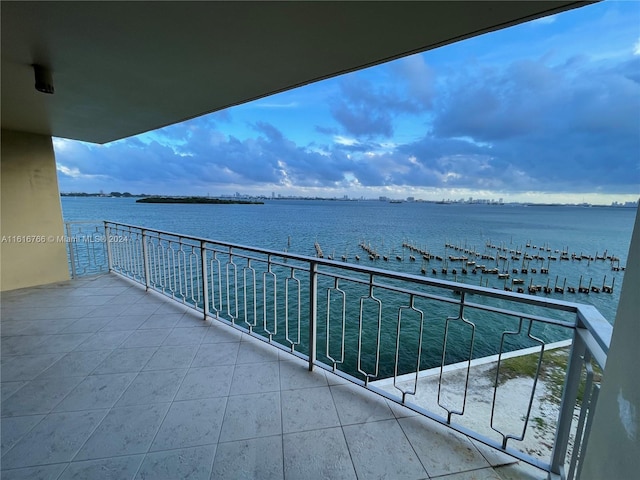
(340, 226)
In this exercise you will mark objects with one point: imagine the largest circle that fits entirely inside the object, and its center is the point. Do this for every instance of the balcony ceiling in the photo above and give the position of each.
(123, 68)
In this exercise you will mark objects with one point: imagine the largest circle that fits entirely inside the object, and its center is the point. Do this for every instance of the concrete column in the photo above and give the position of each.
(32, 251)
(613, 450)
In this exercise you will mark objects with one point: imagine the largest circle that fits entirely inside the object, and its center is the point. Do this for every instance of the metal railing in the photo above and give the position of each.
(86, 248)
(366, 324)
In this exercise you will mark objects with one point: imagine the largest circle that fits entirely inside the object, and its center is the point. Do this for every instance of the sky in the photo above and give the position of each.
(547, 111)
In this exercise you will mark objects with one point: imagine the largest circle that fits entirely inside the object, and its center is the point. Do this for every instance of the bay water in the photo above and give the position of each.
(444, 230)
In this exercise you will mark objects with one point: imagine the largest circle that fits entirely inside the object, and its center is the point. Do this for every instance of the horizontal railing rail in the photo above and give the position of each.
(368, 324)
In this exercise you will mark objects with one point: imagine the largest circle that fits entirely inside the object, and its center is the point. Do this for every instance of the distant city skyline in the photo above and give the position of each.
(383, 198)
(544, 112)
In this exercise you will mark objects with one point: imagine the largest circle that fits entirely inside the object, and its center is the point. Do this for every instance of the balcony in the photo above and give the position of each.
(205, 360)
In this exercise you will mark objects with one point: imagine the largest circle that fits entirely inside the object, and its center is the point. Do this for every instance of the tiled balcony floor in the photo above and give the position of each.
(101, 380)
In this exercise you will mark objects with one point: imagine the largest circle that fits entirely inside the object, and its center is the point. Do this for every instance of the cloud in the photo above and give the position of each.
(545, 20)
(567, 128)
(208, 159)
(346, 141)
(75, 173)
(360, 120)
(492, 103)
(367, 110)
(276, 105)
(417, 79)
(528, 125)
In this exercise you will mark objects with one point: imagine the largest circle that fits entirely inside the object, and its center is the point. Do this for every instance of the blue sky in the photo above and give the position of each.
(544, 111)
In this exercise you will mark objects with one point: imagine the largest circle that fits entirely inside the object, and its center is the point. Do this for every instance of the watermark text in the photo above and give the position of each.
(96, 238)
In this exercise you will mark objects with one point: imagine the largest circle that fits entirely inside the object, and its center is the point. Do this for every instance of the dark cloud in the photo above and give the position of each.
(366, 110)
(524, 127)
(631, 69)
(418, 81)
(560, 128)
(326, 130)
(208, 158)
(491, 105)
(361, 119)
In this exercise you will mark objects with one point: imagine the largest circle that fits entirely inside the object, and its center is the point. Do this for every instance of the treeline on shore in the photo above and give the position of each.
(207, 200)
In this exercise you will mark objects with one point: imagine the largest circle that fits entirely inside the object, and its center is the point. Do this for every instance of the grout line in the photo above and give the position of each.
(413, 447)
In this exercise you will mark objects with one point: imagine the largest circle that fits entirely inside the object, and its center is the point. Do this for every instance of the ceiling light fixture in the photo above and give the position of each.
(44, 80)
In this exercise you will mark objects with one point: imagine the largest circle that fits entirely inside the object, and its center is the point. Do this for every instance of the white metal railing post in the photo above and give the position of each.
(72, 255)
(313, 312)
(205, 282)
(567, 404)
(145, 260)
(108, 247)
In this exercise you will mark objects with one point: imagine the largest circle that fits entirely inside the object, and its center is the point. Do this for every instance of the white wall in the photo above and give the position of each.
(613, 451)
